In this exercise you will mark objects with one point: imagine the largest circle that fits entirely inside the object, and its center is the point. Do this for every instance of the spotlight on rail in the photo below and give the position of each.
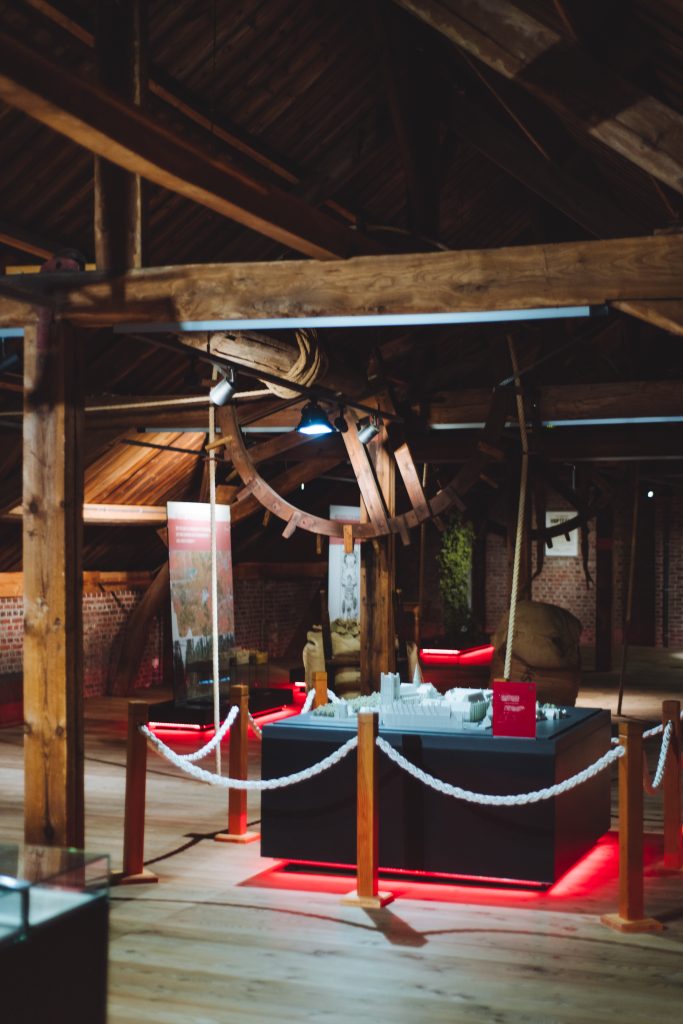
(314, 421)
(223, 390)
(368, 428)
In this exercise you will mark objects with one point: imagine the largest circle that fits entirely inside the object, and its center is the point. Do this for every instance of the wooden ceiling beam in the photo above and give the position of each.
(135, 141)
(519, 277)
(564, 444)
(594, 211)
(613, 400)
(565, 78)
(98, 514)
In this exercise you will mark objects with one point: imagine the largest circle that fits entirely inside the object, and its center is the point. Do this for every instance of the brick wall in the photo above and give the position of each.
(675, 577)
(11, 635)
(561, 580)
(104, 615)
(274, 615)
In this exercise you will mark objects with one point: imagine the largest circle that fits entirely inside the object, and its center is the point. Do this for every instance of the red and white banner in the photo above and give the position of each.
(189, 560)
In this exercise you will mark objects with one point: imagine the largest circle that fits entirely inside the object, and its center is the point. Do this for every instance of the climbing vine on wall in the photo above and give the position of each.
(455, 574)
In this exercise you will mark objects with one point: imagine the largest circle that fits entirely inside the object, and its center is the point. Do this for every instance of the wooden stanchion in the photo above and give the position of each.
(134, 870)
(320, 685)
(631, 915)
(671, 788)
(238, 763)
(367, 892)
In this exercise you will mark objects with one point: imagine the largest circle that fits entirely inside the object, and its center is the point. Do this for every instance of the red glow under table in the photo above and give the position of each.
(422, 830)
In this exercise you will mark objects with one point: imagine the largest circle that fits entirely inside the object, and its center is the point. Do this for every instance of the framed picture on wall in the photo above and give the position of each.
(563, 547)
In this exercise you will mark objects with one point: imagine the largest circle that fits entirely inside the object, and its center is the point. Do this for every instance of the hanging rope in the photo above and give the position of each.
(214, 580)
(521, 510)
(311, 363)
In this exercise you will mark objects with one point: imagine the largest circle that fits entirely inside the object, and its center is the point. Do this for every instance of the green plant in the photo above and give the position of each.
(455, 573)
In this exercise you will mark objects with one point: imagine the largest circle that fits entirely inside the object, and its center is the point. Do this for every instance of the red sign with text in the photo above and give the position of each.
(514, 709)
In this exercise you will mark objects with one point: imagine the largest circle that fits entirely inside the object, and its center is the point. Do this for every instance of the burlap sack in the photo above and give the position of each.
(545, 651)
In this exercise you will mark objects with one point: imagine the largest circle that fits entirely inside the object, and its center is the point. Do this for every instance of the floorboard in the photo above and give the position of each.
(229, 936)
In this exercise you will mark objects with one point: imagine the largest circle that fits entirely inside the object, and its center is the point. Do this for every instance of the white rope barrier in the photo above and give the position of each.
(208, 747)
(308, 703)
(248, 784)
(257, 729)
(491, 800)
(651, 786)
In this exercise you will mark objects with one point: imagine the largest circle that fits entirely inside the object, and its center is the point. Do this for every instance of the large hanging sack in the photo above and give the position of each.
(545, 650)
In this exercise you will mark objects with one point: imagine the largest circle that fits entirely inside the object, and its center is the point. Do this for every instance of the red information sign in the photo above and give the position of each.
(514, 709)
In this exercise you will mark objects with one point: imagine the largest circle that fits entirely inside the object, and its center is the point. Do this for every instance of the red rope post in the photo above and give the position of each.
(671, 788)
(238, 764)
(631, 915)
(367, 892)
(134, 869)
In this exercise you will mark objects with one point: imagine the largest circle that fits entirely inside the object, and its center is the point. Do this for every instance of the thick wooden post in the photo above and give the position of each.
(671, 788)
(53, 629)
(378, 578)
(320, 684)
(136, 785)
(120, 48)
(367, 892)
(630, 917)
(238, 764)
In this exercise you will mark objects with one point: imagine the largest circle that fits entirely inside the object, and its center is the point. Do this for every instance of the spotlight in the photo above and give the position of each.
(223, 390)
(650, 494)
(368, 428)
(313, 420)
(340, 423)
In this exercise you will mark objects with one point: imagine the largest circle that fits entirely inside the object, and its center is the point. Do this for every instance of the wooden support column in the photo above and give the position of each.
(238, 765)
(631, 915)
(134, 870)
(367, 892)
(671, 788)
(120, 48)
(53, 629)
(378, 578)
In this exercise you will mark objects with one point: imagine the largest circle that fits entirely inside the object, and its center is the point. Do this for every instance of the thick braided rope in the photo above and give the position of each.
(491, 800)
(308, 703)
(217, 737)
(257, 729)
(520, 512)
(651, 786)
(248, 784)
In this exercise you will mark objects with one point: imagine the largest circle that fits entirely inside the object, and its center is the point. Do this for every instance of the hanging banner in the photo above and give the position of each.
(189, 561)
(343, 570)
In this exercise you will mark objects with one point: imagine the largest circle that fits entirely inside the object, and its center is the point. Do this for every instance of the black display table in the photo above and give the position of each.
(422, 830)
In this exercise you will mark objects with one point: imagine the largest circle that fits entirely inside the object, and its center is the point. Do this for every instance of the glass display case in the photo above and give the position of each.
(53, 934)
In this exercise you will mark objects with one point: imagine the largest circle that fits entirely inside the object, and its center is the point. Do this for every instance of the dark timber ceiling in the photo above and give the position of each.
(367, 113)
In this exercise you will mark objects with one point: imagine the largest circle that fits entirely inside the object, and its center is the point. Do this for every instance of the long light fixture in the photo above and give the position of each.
(313, 421)
(366, 320)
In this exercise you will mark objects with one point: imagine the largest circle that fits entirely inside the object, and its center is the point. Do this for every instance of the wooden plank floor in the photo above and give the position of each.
(228, 936)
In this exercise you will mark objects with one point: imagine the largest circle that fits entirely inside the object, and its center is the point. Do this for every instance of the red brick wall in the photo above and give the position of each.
(104, 615)
(273, 615)
(675, 576)
(561, 580)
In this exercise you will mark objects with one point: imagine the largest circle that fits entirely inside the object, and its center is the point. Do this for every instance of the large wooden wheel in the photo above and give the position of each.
(380, 524)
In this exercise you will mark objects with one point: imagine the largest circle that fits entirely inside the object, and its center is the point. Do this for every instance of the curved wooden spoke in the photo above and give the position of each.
(423, 508)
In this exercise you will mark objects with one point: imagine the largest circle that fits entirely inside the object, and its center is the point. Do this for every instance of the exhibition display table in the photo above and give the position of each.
(422, 830)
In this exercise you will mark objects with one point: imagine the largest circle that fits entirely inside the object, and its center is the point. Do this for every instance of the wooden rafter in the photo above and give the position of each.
(564, 77)
(124, 135)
